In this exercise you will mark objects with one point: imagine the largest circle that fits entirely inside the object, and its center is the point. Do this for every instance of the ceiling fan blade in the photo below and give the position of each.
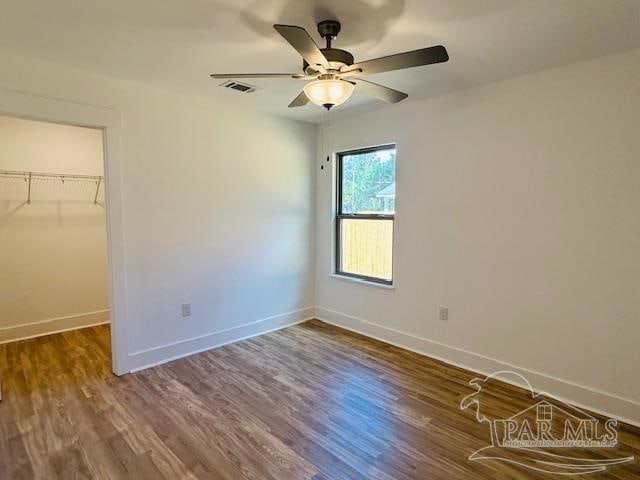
(415, 58)
(304, 44)
(380, 91)
(256, 75)
(299, 101)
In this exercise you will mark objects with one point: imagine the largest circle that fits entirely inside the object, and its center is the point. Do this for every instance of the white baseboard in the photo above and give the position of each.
(53, 325)
(166, 353)
(581, 396)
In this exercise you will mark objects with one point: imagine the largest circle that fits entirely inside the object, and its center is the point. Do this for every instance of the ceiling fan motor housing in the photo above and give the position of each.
(337, 58)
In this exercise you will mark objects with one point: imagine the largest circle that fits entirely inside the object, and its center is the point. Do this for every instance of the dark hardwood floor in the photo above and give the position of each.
(307, 402)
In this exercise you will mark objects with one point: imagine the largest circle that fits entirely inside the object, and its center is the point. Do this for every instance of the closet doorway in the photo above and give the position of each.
(53, 246)
(109, 122)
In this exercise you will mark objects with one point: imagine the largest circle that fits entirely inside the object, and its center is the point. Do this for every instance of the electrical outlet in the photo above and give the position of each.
(186, 309)
(443, 313)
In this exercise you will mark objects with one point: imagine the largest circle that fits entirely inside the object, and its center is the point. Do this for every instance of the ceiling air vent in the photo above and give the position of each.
(241, 87)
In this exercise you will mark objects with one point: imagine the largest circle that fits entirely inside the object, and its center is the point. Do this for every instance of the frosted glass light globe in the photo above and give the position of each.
(328, 93)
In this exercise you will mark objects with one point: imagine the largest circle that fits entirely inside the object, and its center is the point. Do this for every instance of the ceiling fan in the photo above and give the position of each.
(333, 71)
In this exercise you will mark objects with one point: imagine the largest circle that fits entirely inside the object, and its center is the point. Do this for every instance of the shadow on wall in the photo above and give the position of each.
(51, 203)
(8, 210)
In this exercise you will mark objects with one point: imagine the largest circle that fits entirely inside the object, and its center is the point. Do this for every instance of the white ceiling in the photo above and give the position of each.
(177, 43)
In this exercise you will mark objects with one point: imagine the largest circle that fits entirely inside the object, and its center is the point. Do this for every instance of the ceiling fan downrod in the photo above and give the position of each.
(329, 30)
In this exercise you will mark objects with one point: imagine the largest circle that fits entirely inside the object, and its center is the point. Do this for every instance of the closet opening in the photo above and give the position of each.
(53, 224)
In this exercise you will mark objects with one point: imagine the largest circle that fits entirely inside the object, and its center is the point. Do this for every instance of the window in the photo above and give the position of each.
(366, 197)
(544, 413)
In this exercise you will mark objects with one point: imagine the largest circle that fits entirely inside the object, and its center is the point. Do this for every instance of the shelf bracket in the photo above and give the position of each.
(29, 190)
(95, 198)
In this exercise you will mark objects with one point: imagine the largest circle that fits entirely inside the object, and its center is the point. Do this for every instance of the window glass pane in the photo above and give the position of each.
(366, 247)
(369, 182)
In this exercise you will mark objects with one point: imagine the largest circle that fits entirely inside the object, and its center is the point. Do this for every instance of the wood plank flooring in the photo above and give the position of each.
(308, 402)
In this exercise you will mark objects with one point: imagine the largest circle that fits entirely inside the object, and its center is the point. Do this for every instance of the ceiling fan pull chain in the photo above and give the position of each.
(328, 135)
(324, 140)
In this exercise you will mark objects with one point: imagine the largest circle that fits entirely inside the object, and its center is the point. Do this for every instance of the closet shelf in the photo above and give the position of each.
(28, 177)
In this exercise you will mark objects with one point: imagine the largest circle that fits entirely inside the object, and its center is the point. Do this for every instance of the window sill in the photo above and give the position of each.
(362, 282)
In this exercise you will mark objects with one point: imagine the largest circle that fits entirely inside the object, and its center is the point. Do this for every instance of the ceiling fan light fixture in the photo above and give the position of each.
(328, 92)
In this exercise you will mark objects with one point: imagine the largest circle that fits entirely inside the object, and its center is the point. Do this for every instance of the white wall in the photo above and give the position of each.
(53, 251)
(518, 208)
(217, 209)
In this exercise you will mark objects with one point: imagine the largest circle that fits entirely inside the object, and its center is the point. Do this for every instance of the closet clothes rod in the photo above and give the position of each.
(29, 176)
